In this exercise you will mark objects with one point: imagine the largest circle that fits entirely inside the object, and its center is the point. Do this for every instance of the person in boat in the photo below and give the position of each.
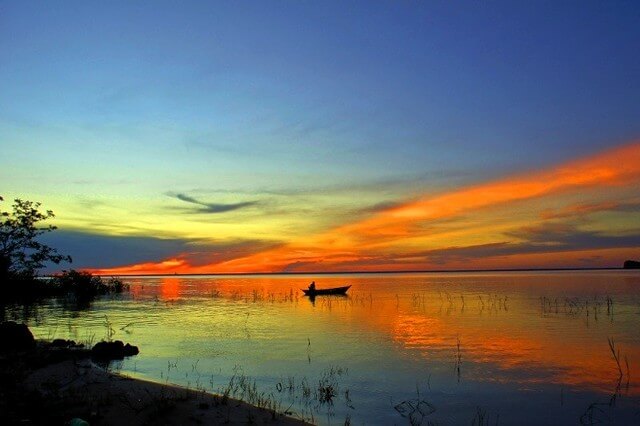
(312, 286)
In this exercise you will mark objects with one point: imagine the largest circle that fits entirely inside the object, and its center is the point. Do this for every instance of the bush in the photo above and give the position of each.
(86, 286)
(81, 286)
(24, 288)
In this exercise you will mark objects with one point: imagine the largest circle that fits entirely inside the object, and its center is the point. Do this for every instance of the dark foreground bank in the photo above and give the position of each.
(60, 382)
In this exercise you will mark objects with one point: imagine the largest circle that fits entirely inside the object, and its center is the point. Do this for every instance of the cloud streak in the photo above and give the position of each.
(584, 209)
(416, 234)
(389, 229)
(212, 207)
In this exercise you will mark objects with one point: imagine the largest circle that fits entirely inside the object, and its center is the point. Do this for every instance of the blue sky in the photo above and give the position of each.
(232, 101)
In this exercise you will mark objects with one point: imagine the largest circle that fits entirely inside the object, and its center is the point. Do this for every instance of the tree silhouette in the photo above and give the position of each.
(21, 254)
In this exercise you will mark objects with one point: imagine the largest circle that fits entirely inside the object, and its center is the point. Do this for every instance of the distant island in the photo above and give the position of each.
(631, 264)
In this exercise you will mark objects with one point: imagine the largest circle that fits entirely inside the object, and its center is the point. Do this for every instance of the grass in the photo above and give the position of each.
(109, 331)
(483, 418)
(287, 392)
(577, 307)
(243, 388)
(616, 355)
(602, 412)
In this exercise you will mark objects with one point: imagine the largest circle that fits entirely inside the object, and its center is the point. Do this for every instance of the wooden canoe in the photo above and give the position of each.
(321, 291)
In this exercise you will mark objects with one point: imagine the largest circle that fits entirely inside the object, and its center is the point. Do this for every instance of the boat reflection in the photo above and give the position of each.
(328, 297)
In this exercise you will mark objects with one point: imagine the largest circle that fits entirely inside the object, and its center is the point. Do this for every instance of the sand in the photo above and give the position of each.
(76, 387)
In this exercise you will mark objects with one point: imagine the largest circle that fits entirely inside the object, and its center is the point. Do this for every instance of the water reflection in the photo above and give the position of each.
(527, 346)
(170, 288)
(326, 297)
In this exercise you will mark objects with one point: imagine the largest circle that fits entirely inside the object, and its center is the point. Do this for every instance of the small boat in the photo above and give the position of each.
(320, 291)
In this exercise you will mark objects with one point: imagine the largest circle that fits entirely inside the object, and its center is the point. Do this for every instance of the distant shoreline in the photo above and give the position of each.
(432, 271)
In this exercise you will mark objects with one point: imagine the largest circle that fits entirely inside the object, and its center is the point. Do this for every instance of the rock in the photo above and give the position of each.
(113, 350)
(631, 264)
(62, 343)
(15, 337)
(130, 350)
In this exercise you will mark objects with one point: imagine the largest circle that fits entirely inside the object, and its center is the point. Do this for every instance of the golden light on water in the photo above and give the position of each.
(504, 332)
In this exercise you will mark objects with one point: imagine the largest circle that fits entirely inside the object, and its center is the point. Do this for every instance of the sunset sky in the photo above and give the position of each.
(197, 137)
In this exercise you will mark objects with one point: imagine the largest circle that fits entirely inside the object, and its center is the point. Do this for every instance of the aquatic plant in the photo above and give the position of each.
(458, 358)
(481, 418)
(84, 286)
(616, 354)
(577, 307)
(109, 331)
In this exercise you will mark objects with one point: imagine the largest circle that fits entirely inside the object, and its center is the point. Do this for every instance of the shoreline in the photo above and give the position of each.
(54, 386)
(383, 272)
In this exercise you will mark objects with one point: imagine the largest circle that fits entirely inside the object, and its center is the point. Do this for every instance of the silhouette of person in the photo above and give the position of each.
(312, 286)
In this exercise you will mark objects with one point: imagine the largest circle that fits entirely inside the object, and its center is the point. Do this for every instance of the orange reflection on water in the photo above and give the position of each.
(504, 334)
(170, 288)
(512, 340)
(545, 357)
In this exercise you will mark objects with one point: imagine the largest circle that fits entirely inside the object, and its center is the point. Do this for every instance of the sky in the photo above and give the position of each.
(294, 136)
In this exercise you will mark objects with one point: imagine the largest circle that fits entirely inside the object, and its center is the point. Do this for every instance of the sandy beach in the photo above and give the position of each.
(45, 389)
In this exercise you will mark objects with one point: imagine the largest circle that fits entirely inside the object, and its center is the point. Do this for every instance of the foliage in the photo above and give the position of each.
(85, 286)
(76, 288)
(21, 254)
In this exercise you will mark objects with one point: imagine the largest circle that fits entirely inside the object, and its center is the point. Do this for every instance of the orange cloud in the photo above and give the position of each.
(614, 167)
(169, 266)
(363, 243)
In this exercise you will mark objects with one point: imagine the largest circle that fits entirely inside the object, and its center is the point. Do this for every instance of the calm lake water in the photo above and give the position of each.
(450, 348)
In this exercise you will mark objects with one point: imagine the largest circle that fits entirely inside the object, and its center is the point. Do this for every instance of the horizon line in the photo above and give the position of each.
(430, 271)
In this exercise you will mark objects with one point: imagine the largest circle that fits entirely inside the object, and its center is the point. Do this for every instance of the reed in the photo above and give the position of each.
(325, 394)
(626, 361)
(126, 329)
(481, 418)
(458, 362)
(347, 420)
(590, 307)
(109, 331)
(616, 355)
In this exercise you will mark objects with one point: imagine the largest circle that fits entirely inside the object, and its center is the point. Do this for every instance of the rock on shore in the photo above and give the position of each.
(57, 382)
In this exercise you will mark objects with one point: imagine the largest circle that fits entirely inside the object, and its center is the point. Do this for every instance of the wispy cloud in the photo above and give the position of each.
(541, 240)
(615, 167)
(567, 236)
(211, 207)
(390, 229)
(403, 236)
(584, 209)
